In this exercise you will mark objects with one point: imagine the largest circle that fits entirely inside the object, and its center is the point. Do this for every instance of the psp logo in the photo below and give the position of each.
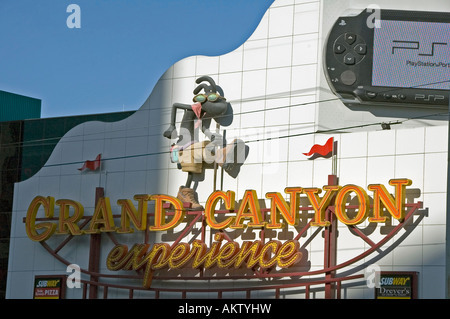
(429, 97)
(414, 45)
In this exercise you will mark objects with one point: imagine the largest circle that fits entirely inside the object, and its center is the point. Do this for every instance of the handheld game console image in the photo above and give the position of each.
(402, 58)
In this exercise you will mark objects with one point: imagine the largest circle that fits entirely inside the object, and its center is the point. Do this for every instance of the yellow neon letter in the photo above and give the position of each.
(278, 204)
(395, 206)
(30, 221)
(68, 224)
(102, 216)
(160, 212)
(341, 199)
(249, 208)
(320, 205)
(211, 203)
(129, 212)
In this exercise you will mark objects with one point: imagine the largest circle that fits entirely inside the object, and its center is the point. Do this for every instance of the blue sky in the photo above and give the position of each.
(114, 60)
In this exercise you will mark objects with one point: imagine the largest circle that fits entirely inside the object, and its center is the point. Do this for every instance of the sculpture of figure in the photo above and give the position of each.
(194, 156)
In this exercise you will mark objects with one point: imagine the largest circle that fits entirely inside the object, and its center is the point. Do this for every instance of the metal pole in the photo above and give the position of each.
(330, 249)
(215, 162)
(447, 232)
(94, 251)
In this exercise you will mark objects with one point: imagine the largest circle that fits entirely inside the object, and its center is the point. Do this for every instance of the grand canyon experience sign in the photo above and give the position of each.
(230, 254)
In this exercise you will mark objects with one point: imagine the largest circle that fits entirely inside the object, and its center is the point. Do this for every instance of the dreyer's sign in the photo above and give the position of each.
(169, 212)
(400, 285)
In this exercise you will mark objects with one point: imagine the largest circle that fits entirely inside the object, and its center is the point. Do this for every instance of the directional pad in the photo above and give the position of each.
(339, 48)
(360, 48)
(349, 48)
(349, 59)
(350, 38)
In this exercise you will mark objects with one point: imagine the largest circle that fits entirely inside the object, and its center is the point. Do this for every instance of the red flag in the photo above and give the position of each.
(323, 150)
(92, 165)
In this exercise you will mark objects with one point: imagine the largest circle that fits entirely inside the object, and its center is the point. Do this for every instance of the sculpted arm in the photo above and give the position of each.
(171, 130)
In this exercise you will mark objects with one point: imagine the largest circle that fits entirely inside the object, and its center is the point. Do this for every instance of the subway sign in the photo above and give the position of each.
(397, 285)
(49, 287)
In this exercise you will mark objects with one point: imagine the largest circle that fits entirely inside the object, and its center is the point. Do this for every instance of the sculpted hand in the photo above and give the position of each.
(171, 132)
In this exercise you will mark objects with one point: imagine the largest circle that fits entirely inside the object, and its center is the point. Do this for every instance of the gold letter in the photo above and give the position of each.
(129, 212)
(341, 198)
(320, 205)
(394, 206)
(264, 253)
(66, 223)
(160, 212)
(30, 221)
(288, 254)
(211, 203)
(278, 204)
(102, 215)
(249, 202)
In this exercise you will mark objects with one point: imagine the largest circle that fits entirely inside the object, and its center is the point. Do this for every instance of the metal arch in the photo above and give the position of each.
(328, 271)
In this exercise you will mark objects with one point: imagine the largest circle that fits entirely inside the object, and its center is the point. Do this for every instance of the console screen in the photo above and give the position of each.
(409, 54)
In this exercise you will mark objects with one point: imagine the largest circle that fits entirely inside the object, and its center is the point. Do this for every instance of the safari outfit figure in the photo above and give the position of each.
(194, 156)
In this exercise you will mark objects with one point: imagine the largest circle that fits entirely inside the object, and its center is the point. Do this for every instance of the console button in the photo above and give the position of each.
(349, 59)
(360, 48)
(348, 77)
(371, 94)
(350, 38)
(349, 48)
(339, 48)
